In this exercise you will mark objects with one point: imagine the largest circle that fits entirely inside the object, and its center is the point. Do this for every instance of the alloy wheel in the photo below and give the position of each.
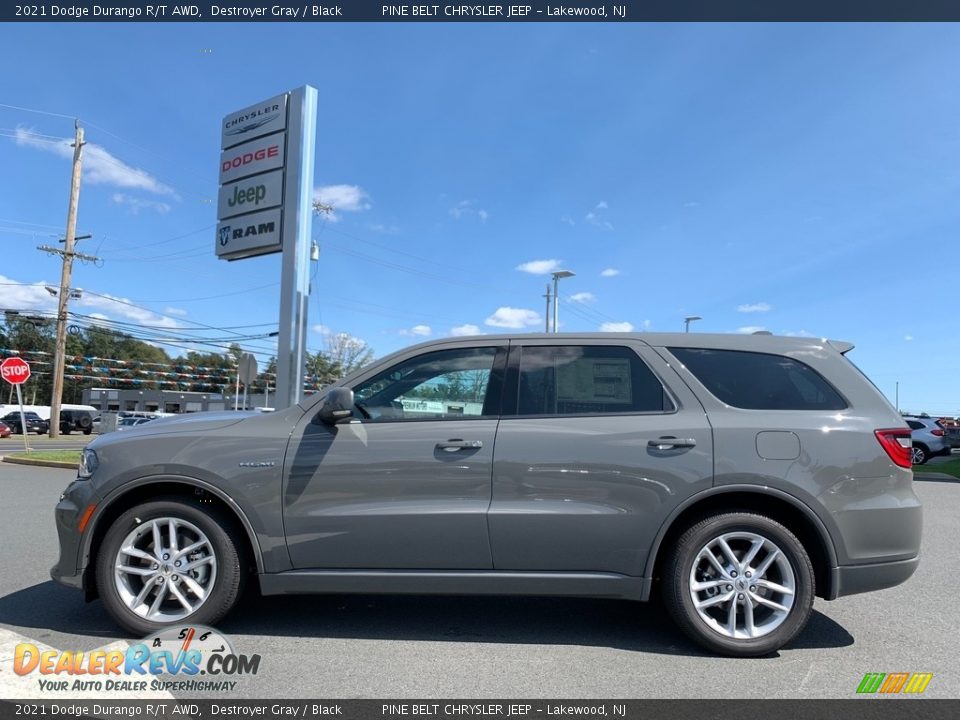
(742, 585)
(165, 569)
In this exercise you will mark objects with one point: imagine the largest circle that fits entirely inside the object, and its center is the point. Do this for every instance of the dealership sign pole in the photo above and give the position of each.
(264, 206)
(16, 371)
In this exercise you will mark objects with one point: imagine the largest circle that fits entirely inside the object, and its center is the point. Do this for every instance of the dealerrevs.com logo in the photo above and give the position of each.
(186, 659)
(894, 683)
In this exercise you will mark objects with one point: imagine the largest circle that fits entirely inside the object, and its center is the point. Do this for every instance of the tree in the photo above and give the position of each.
(348, 352)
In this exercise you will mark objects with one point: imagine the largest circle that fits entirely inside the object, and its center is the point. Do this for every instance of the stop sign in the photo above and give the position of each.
(15, 371)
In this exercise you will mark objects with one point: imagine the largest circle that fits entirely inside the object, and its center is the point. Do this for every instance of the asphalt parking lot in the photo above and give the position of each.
(415, 647)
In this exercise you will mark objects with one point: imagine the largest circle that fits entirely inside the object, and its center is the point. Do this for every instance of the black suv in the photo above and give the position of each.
(80, 420)
(35, 423)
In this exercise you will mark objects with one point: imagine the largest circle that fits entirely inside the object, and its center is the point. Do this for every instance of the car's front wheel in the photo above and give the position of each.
(167, 562)
(739, 584)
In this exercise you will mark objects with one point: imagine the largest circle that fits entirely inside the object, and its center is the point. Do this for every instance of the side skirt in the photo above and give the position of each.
(440, 582)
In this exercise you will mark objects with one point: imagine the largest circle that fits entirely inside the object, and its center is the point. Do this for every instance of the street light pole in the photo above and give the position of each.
(689, 319)
(557, 276)
(546, 317)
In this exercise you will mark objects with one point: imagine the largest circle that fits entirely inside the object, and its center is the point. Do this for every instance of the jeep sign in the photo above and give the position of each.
(252, 158)
(258, 192)
(249, 235)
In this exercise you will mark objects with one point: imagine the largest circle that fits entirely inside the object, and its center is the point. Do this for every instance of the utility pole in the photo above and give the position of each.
(546, 319)
(64, 297)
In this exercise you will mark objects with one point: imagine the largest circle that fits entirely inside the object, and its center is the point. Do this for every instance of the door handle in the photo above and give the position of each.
(458, 444)
(671, 443)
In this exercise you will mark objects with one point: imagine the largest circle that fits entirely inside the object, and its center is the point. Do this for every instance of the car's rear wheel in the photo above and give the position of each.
(167, 562)
(919, 455)
(739, 584)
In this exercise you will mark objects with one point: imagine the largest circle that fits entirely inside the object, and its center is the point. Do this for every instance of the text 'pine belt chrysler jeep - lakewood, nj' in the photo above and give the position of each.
(738, 476)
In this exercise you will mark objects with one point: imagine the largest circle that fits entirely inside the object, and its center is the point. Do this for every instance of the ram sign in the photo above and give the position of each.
(249, 235)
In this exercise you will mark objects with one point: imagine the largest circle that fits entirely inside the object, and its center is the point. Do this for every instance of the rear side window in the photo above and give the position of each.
(759, 381)
(586, 379)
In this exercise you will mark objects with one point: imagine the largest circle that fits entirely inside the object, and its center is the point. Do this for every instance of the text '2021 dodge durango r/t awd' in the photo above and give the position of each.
(738, 476)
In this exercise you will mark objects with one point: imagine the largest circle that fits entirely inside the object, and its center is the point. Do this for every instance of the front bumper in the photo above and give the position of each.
(71, 565)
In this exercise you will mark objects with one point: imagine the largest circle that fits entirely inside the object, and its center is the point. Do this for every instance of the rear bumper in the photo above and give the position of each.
(855, 579)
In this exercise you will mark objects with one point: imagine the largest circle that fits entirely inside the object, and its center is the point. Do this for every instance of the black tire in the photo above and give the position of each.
(85, 423)
(677, 594)
(65, 429)
(920, 454)
(87, 431)
(224, 540)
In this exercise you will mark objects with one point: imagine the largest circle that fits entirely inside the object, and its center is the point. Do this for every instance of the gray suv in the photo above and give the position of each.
(738, 476)
(929, 439)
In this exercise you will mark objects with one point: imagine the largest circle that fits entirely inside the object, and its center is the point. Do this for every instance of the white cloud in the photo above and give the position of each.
(610, 272)
(322, 330)
(99, 166)
(568, 220)
(24, 296)
(179, 312)
(514, 318)
(647, 324)
(593, 217)
(755, 307)
(539, 267)
(908, 337)
(750, 329)
(467, 329)
(616, 327)
(342, 198)
(798, 333)
(34, 297)
(123, 307)
(418, 330)
(465, 208)
(583, 297)
(137, 204)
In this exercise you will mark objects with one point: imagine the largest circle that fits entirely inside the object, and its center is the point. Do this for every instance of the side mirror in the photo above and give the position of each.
(337, 406)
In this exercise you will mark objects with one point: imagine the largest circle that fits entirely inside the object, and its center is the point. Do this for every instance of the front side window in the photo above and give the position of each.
(446, 384)
(760, 381)
(584, 380)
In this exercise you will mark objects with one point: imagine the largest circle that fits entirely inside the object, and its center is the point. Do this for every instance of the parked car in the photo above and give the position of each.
(35, 423)
(126, 423)
(5, 430)
(80, 420)
(953, 436)
(738, 476)
(929, 439)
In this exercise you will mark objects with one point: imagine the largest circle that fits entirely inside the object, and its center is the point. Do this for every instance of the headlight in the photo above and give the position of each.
(88, 464)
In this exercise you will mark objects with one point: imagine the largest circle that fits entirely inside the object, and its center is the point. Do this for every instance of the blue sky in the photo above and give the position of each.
(803, 179)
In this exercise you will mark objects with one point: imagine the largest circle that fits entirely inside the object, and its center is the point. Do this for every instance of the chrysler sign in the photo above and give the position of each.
(253, 122)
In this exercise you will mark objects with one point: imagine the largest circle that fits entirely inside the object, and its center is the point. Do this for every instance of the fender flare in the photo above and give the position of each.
(716, 491)
(119, 493)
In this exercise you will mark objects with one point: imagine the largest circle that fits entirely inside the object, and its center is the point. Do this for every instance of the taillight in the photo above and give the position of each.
(937, 431)
(897, 443)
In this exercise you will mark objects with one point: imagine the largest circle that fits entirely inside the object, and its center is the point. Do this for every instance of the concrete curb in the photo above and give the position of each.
(935, 476)
(40, 463)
